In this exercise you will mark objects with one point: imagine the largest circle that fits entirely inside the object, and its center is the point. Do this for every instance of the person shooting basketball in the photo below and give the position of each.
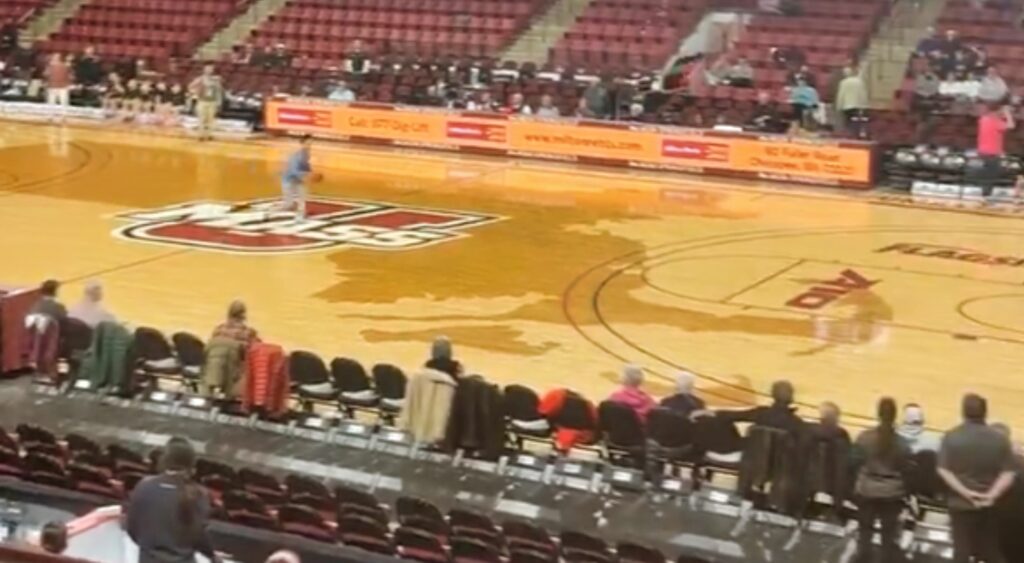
(297, 173)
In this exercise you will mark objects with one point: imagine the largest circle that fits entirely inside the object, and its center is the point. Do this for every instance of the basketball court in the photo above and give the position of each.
(544, 274)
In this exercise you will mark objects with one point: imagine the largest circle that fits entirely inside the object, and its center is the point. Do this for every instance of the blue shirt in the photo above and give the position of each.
(804, 96)
(297, 166)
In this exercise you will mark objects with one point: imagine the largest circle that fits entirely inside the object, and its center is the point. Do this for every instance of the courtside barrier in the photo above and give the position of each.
(747, 155)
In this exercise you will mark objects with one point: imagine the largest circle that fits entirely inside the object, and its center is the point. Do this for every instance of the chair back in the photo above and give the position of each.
(669, 429)
(191, 350)
(521, 403)
(306, 368)
(76, 335)
(349, 375)
(620, 425)
(151, 345)
(390, 381)
(410, 506)
(575, 414)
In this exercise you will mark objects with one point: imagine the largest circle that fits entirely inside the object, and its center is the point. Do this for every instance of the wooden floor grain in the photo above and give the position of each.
(557, 275)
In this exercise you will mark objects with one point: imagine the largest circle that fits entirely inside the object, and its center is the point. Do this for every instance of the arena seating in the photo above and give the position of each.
(154, 29)
(297, 504)
(324, 29)
(830, 34)
(20, 10)
(627, 36)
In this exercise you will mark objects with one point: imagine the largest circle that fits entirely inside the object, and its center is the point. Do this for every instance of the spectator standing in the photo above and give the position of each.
(88, 69)
(780, 414)
(168, 514)
(992, 127)
(631, 395)
(852, 103)
(976, 462)
(209, 93)
(357, 61)
(804, 99)
(992, 89)
(684, 401)
(90, 309)
(58, 84)
(236, 326)
(547, 107)
(881, 485)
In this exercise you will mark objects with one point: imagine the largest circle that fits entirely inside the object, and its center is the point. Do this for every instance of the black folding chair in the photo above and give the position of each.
(624, 436)
(155, 356)
(354, 390)
(76, 338)
(471, 550)
(310, 379)
(390, 383)
(419, 545)
(524, 421)
(304, 521)
(191, 353)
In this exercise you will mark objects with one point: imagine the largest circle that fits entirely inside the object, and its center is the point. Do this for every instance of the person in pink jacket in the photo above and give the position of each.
(630, 393)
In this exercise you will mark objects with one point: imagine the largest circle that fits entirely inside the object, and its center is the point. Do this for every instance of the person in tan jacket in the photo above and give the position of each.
(428, 405)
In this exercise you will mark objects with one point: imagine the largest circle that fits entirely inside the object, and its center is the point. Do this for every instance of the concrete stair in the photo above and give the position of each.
(239, 28)
(47, 22)
(890, 49)
(533, 45)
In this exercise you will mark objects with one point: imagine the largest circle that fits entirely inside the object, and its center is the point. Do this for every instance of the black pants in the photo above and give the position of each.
(988, 176)
(976, 534)
(887, 513)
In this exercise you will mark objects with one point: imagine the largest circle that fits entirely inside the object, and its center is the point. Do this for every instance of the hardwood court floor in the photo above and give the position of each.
(540, 273)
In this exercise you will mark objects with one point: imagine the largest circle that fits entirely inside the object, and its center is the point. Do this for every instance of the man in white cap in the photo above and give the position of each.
(90, 309)
(913, 431)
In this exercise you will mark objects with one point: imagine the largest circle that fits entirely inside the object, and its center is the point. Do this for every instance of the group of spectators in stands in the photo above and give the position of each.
(128, 90)
(948, 69)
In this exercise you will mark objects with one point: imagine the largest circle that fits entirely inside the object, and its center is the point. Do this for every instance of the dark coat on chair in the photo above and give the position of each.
(773, 462)
(477, 420)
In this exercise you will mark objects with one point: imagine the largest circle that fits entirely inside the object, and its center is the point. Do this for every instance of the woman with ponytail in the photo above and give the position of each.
(881, 485)
(168, 513)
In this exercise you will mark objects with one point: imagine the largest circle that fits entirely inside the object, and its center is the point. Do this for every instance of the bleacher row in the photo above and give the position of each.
(145, 28)
(611, 35)
(322, 28)
(415, 530)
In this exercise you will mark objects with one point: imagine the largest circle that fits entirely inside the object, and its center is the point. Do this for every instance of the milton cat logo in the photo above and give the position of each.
(255, 229)
(952, 253)
(827, 291)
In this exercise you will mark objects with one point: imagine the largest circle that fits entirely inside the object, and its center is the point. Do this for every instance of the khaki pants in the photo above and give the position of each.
(207, 114)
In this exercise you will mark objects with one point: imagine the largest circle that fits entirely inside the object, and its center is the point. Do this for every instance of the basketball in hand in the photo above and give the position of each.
(315, 177)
